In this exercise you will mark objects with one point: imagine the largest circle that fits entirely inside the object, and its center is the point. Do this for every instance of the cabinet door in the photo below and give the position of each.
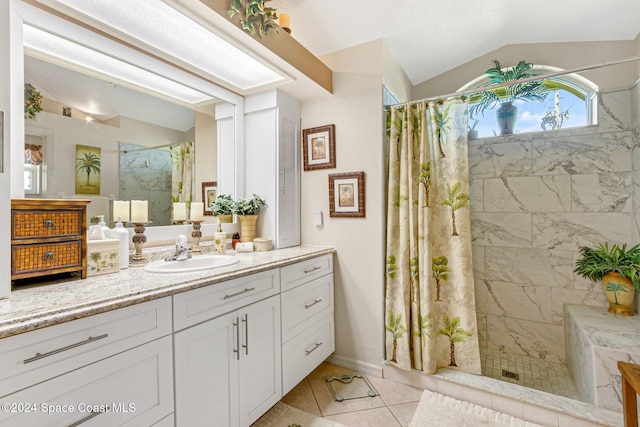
(260, 374)
(206, 372)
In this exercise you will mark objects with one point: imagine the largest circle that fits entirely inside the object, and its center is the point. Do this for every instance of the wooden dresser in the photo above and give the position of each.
(48, 237)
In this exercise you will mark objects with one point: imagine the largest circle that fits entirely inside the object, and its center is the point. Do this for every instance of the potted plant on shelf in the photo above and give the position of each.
(619, 270)
(247, 211)
(222, 208)
(32, 101)
(507, 112)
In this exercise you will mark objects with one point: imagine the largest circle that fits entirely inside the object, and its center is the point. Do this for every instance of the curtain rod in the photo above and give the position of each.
(525, 80)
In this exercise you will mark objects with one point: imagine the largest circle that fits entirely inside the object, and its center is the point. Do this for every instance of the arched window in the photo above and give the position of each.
(570, 101)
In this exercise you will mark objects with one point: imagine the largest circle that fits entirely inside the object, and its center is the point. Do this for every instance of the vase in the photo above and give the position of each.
(507, 118)
(620, 293)
(247, 227)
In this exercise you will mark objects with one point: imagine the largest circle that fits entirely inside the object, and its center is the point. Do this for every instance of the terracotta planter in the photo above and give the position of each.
(620, 293)
(247, 227)
(507, 118)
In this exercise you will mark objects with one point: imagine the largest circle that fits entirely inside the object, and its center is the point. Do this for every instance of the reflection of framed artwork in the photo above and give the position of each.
(209, 193)
(319, 147)
(346, 194)
(87, 170)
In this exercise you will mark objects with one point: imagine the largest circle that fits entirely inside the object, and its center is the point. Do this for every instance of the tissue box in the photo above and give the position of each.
(103, 257)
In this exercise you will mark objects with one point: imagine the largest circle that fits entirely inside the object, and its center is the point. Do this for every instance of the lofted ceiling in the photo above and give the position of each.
(429, 37)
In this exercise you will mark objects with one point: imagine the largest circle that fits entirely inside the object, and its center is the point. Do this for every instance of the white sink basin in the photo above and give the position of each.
(198, 262)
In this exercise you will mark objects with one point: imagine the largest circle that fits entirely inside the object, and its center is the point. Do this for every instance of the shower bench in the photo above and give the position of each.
(596, 340)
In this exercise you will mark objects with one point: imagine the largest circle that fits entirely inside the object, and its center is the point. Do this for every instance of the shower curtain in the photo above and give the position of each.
(430, 315)
(182, 161)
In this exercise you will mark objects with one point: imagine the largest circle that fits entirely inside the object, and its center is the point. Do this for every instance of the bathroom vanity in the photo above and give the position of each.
(214, 347)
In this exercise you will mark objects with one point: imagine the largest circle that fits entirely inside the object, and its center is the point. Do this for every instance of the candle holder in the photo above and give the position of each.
(139, 239)
(196, 234)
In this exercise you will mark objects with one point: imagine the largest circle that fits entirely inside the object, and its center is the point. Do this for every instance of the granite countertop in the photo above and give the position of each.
(38, 306)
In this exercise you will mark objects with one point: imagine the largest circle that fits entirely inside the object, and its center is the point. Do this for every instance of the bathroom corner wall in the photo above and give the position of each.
(536, 198)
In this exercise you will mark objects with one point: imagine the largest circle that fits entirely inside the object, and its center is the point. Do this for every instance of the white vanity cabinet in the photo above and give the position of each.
(307, 318)
(110, 369)
(228, 367)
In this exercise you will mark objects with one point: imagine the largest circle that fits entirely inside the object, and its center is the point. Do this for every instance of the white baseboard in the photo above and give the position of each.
(356, 365)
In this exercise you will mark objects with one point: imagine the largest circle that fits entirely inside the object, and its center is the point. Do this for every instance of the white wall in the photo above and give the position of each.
(356, 110)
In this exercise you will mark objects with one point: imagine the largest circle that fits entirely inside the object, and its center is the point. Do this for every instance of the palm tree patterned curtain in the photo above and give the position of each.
(430, 315)
(182, 161)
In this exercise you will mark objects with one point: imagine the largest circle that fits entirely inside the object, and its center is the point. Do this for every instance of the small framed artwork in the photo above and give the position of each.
(209, 193)
(346, 194)
(87, 169)
(319, 147)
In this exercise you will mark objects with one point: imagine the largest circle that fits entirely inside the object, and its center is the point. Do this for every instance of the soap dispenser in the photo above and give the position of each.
(105, 229)
(220, 240)
(121, 233)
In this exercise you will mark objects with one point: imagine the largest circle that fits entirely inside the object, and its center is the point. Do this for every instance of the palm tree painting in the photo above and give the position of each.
(87, 170)
(96, 257)
(456, 199)
(451, 328)
(615, 288)
(397, 329)
(440, 271)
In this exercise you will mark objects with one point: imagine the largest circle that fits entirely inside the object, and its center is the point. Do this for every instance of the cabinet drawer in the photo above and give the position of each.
(36, 356)
(31, 224)
(205, 303)
(134, 388)
(297, 274)
(305, 352)
(34, 258)
(304, 305)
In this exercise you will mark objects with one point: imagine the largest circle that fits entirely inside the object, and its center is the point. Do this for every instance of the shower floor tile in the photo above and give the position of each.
(533, 373)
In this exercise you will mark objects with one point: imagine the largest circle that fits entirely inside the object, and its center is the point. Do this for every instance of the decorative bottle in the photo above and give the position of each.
(121, 233)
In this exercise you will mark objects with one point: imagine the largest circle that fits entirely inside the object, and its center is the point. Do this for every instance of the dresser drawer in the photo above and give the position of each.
(32, 224)
(45, 256)
(297, 274)
(305, 352)
(199, 305)
(130, 388)
(38, 355)
(304, 305)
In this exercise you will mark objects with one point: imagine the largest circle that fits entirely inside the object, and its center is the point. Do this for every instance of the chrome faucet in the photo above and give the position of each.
(182, 251)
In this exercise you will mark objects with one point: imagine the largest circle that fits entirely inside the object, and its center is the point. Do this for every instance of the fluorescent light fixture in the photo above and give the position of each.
(165, 29)
(59, 50)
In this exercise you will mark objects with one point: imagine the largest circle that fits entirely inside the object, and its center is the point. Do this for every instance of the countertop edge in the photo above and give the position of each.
(62, 314)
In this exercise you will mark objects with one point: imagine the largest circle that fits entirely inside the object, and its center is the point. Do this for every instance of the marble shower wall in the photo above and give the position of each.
(146, 175)
(535, 199)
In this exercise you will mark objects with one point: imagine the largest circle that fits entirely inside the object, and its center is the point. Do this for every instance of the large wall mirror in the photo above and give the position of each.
(139, 132)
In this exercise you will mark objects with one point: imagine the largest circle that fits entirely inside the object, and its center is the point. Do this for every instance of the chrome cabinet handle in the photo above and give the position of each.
(318, 344)
(85, 419)
(48, 256)
(39, 356)
(312, 270)
(236, 349)
(48, 223)
(245, 319)
(238, 293)
(313, 303)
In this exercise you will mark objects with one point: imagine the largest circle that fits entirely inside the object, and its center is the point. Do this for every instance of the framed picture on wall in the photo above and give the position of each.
(346, 194)
(319, 147)
(209, 193)
(87, 169)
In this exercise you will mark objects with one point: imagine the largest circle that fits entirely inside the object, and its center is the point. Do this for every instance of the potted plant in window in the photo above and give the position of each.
(247, 211)
(619, 270)
(507, 112)
(222, 208)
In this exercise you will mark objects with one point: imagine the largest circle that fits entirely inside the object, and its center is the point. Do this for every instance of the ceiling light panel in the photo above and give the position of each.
(65, 52)
(165, 29)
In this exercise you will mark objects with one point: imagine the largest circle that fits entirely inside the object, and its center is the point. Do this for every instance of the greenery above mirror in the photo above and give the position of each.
(32, 101)
(255, 16)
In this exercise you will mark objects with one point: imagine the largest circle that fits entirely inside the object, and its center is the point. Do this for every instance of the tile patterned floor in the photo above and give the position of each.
(393, 408)
(534, 373)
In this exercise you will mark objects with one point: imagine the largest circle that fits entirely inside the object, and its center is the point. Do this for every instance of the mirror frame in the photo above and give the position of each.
(229, 113)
